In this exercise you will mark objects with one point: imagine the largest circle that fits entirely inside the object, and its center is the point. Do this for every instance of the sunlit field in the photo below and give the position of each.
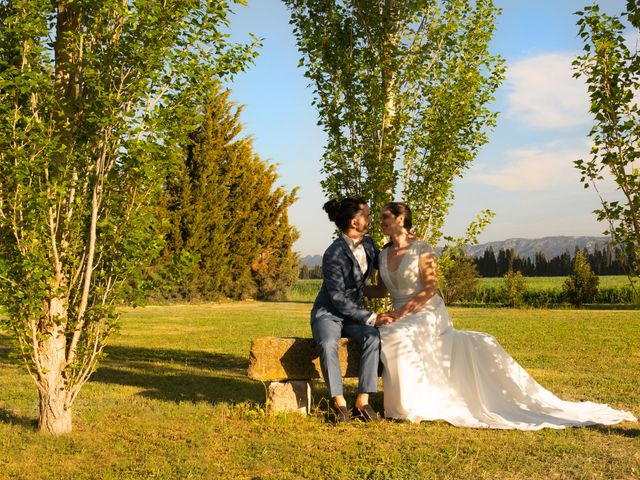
(171, 400)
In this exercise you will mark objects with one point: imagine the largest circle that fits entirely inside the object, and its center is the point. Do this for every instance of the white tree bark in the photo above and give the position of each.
(55, 412)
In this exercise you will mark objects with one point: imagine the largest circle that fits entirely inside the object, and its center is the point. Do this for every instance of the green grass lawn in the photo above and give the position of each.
(172, 400)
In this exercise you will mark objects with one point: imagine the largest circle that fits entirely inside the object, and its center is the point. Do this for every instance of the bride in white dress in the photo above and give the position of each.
(434, 372)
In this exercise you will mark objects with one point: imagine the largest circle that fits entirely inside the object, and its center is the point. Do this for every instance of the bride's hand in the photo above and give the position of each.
(385, 318)
(396, 314)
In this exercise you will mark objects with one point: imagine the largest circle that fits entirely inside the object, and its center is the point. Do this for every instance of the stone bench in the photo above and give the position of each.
(289, 364)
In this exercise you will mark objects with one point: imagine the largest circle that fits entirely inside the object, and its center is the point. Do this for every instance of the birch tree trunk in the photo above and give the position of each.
(55, 411)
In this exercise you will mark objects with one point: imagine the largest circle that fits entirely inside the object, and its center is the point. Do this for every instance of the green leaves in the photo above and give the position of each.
(223, 205)
(513, 289)
(96, 100)
(612, 73)
(581, 286)
(401, 90)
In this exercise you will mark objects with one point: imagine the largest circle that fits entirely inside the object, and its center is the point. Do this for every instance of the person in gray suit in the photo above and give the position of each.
(338, 309)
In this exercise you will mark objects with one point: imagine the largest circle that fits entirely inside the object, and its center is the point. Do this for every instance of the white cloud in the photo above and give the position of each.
(532, 169)
(544, 94)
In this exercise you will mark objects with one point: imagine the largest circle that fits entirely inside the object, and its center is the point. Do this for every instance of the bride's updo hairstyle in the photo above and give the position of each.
(343, 211)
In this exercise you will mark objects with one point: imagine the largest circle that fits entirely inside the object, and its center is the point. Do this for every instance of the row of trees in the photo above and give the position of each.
(607, 261)
(581, 286)
(308, 273)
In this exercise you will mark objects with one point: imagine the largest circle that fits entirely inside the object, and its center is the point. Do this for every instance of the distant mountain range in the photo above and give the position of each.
(311, 260)
(551, 246)
(524, 247)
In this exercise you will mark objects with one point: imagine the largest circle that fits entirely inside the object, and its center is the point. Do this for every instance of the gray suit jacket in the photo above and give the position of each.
(343, 283)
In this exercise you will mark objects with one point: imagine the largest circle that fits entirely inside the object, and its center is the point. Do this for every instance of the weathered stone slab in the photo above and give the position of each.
(293, 396)
(274, 359)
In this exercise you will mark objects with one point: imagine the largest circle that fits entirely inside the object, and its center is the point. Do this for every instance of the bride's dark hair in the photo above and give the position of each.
(400, 208)
(341, 212)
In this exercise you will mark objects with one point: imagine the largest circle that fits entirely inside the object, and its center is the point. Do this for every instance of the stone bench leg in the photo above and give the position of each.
(291, 396)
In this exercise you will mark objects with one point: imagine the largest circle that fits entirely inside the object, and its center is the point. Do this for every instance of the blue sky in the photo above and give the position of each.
(524, 174)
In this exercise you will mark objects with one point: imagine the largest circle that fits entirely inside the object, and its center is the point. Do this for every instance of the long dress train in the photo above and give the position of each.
(434, 372)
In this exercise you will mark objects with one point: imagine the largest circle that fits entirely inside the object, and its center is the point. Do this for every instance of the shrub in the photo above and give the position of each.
(615, 295)
(304, 290)
(582, 285)
(513, 289)
(457, 279)
(547, 298)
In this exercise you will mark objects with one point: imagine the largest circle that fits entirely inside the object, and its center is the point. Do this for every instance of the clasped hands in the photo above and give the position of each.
(386, 318)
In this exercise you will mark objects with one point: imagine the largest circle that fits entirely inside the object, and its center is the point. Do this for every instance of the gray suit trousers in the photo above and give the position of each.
(327, 331)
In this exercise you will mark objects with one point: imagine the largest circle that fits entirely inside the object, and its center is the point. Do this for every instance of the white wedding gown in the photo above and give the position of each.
(434, 372)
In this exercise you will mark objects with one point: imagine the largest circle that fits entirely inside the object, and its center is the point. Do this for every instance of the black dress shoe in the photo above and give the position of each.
(368, 414)
(342, 415)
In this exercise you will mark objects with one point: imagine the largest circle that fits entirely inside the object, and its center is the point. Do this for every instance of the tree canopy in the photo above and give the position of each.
(612, 73)
(402, 89)
(95, 98)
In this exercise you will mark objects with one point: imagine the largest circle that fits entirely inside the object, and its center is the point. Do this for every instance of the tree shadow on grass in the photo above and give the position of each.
(7, 416)
(5, 348)
(167, 374)
(619, 431)
(180, 375)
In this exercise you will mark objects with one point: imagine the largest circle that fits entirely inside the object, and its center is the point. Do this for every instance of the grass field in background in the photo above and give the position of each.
(306, 290)
(545, 283)
(172, 401)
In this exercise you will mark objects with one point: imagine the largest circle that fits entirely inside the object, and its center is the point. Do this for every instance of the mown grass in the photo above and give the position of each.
(172, 400)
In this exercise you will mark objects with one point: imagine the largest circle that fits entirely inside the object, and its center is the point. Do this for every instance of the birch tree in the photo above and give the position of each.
(95, 96)
(612, 73)
(402, 89)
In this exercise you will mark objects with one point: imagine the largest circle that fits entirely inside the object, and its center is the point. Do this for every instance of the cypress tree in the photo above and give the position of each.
(225, 212)
(542, 264)
(505, 260)
(490, 265)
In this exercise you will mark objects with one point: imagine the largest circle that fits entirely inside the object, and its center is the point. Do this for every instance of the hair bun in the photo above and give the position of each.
(332, 207)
